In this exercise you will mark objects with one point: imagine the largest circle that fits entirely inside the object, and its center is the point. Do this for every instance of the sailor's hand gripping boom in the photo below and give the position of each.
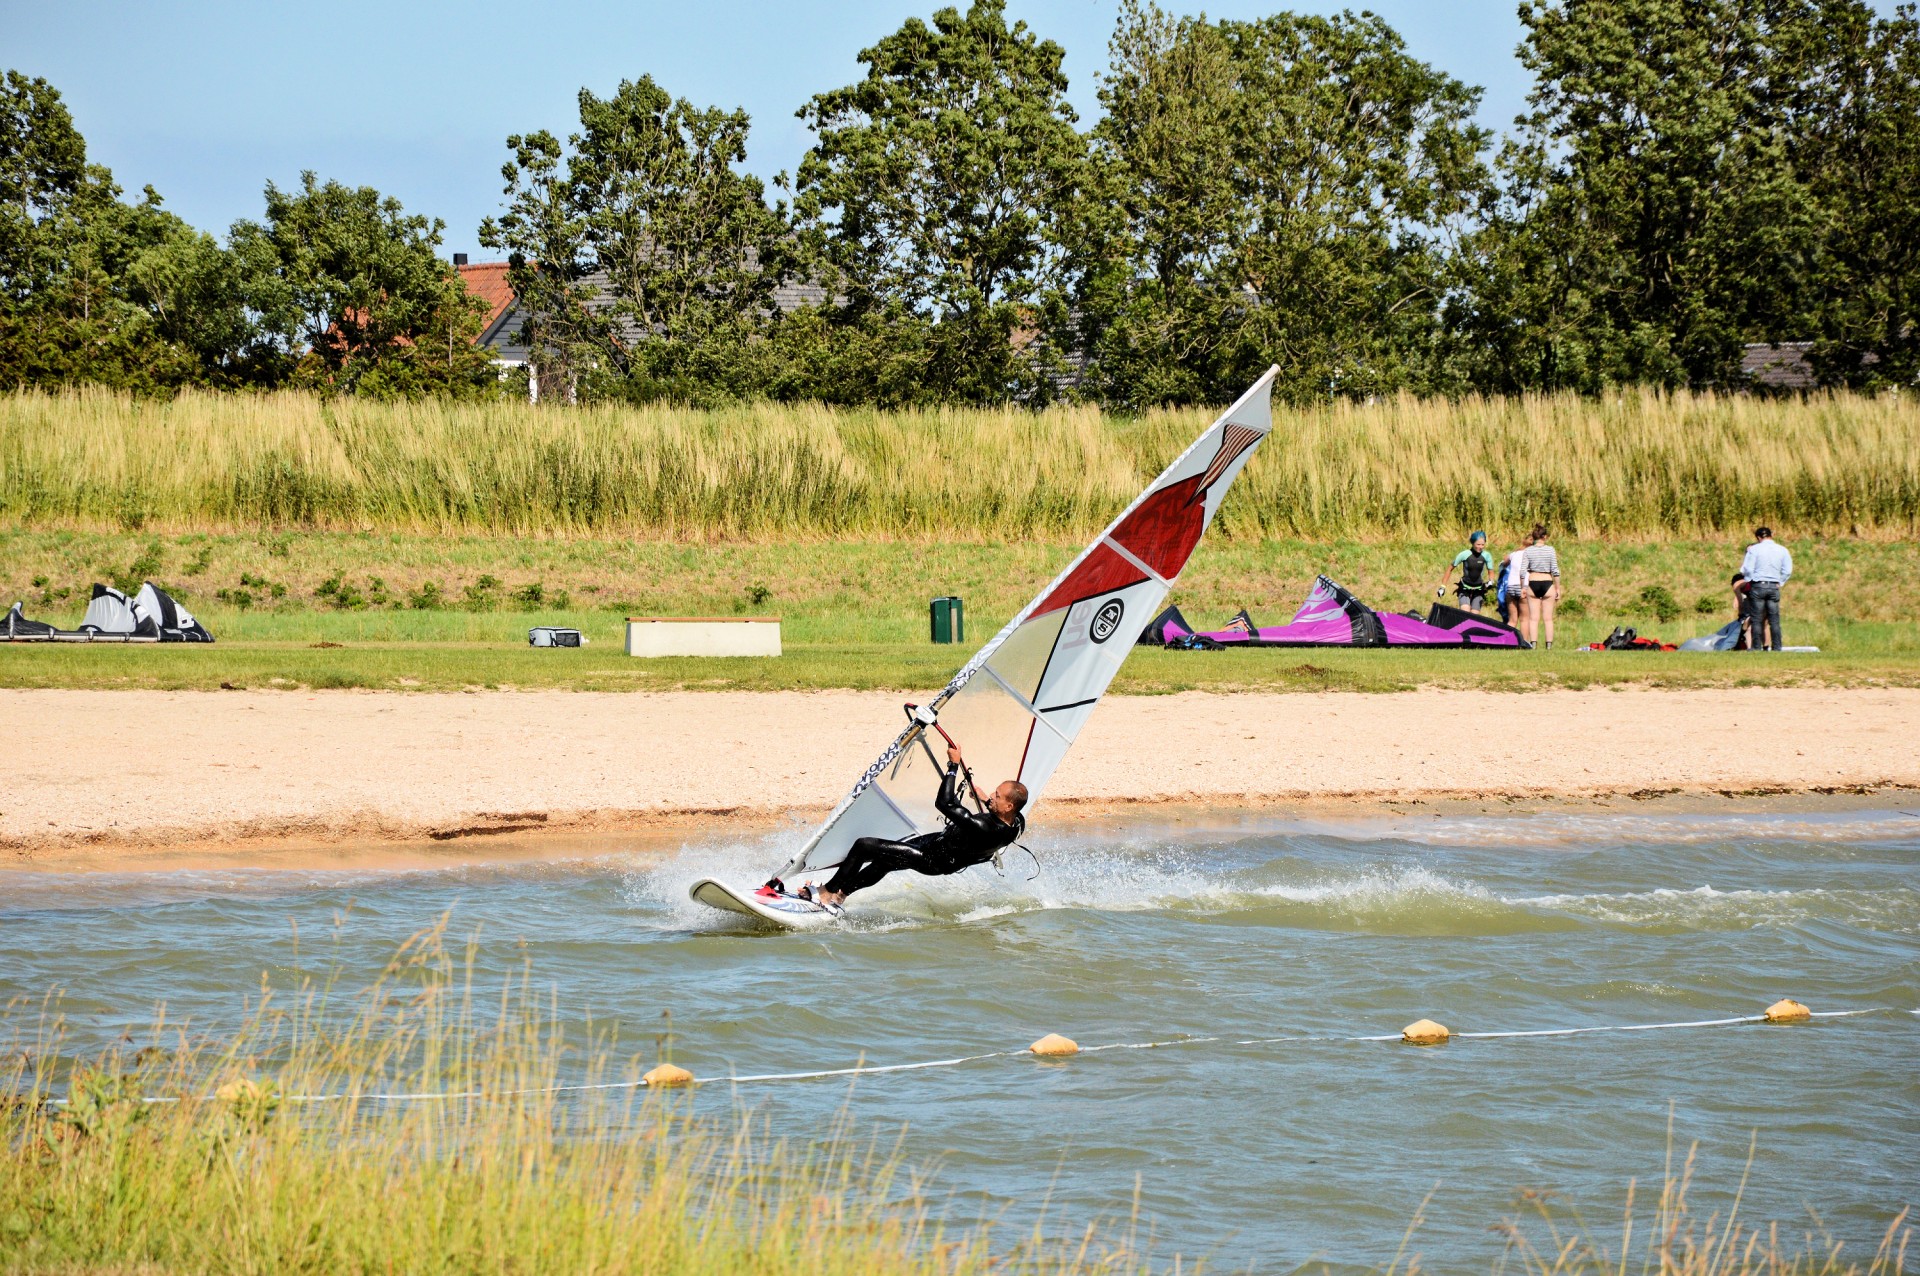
(926, 716)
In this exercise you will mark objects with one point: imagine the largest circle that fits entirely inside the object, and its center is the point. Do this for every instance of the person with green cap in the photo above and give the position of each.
(1476, 574)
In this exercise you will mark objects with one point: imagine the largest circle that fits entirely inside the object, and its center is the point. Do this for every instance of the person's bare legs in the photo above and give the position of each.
(1546, 607)
(1522, 612)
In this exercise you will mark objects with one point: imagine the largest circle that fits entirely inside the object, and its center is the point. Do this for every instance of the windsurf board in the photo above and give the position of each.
(787, 911)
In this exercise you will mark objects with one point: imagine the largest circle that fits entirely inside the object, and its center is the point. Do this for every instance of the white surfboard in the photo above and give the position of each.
(787, 911)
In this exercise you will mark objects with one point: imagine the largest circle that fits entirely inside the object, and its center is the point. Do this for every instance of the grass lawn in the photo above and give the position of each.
(854, 614)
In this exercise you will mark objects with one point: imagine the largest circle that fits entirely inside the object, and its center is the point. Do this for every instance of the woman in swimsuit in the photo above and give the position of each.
(1543, 583)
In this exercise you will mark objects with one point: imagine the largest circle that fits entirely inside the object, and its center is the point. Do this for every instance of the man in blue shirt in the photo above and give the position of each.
(1767, 566)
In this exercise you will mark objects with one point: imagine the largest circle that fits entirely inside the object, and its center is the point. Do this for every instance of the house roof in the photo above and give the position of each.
(487, 280)
(1779, 366)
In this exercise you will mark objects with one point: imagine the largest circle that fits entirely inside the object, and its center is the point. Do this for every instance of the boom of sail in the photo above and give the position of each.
(1017, 706)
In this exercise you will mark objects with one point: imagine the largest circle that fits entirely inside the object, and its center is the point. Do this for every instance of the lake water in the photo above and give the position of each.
(1252, 1155)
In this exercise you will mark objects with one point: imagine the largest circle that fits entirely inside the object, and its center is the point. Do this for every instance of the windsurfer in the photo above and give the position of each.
(969, 838)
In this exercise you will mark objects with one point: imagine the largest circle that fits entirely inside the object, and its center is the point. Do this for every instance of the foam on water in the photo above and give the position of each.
(1148, 871)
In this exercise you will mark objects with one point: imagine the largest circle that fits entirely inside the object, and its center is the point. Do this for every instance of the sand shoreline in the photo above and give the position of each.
(154, 779)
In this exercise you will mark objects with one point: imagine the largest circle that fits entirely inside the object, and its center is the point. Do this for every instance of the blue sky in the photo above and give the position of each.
(208, 99)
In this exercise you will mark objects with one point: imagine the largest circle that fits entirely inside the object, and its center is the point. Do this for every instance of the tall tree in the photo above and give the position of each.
(96, 290)
(935, 189)
(642, 246)
(1659, 207)
(1863, 162)
(1284, 190)
(354, 287)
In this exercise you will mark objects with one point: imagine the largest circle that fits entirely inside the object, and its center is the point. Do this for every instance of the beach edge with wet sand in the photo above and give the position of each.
(124, 779)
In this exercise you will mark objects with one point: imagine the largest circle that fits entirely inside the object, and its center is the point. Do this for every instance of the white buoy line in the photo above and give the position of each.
(1424, 1032)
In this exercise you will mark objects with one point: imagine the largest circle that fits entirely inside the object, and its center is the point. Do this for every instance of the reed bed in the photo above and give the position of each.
(231, 1171)
(1640, 464)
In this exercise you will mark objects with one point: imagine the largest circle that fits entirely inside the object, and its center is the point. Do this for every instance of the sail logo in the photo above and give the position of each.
(1106, 620)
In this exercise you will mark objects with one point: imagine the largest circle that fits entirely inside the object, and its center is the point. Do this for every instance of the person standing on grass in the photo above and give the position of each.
(1543, 585)
(1513, 588)
(1767, 566)
(1476, 574)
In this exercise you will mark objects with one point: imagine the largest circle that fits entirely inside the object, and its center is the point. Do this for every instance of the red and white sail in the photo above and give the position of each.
(1018, 705)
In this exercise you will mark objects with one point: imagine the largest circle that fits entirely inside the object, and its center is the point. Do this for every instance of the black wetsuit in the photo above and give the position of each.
(970, 838)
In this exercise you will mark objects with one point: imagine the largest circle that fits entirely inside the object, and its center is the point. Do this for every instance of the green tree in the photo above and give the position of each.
(96, 290)
(355, 290)
(1659, 208)
(545, 238)
(645, 257)
(1283, 191)
(933, 197)
(44, 175)
(1863, 157)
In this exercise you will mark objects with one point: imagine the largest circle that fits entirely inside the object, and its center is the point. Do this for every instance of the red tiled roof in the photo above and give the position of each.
(487, 280)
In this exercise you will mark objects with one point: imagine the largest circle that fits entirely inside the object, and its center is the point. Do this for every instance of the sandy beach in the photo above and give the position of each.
(98, 775)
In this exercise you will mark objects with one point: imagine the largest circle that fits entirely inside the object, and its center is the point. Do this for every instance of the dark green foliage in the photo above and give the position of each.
(933, 198)
(1659, 602)
(1864, 156)
(339, 592)
(1691, 176)
(480, 595)
(96, 290)
(1284, 190)
(1694, 175)
(354, 290)
(1708, 604)
(648, 192)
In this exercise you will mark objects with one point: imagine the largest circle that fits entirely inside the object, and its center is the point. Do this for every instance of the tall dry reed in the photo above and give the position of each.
(1635, 464)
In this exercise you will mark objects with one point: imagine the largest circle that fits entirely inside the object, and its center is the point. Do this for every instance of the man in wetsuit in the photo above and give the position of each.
(970, 838)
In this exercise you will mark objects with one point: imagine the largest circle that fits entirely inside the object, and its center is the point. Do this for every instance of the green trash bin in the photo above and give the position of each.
(948, 619)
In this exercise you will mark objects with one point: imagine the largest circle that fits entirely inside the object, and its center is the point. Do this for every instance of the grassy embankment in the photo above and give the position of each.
(232, 1172)
(426, 538)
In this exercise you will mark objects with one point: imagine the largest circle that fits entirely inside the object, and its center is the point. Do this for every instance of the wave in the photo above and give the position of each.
(1559, 829)
(1389, 896)
(1709, 908)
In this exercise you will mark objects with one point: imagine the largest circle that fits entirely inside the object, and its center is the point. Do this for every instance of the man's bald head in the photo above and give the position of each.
(1009, 799)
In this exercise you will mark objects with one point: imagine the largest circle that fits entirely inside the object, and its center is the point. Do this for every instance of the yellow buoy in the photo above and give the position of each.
(668, 1074)
(1425, 1032)
(1787, 1010)
(1054, 1045)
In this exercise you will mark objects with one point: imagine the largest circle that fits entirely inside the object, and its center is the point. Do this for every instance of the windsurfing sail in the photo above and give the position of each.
(1018, 705)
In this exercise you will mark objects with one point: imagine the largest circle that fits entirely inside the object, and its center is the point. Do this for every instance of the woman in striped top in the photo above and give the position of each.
(1543, 582)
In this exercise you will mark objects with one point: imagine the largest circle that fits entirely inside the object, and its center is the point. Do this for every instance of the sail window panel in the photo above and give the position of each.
(1022, 658)
(868, 815)
(992, 729)
(1084, 661)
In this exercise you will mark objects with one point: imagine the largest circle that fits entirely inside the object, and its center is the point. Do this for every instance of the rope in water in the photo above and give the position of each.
(862, 1070)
